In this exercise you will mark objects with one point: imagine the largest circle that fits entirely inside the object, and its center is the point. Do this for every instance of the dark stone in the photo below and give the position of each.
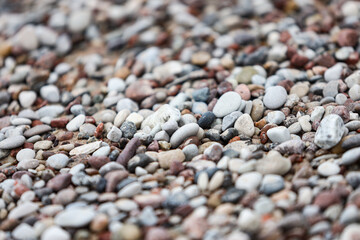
(351, 142)
(128, 129)
(176, 200)
(201, 95)
(125, 182)
(206, 120)
(101, 185)
(128, 151)
(141, 160)
(233, 195)
(228, 134)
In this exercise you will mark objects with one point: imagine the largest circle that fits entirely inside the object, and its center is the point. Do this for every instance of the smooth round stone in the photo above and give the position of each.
(37, 130)
(249, 221)
(28, 164)
(27, 98)
(327, 169)
(20, 121)
(275, 117)
(116, 84)
(354, 92)
(75, 217)
(245, 125)
(182, 133)
(206, 120)
(130, 190)
(12, 142)
(103, 151)
(114, 134)
(330, 131)
(333, 73)
(127, 103)
(199, 108)
(201, 95)
(351, 142)
(77, 109)
(249, 181)
(75, 123)
(135, 118)
(23, 210)
(273, 163)
(50, 111)
(50, 93)
(121, 117)
(275, 97)
(190, 151)
(25, 153)
(26, 38)
(79, 20)
(55, 232)
(350, 156)
(317, 113)
(271, 184)
(24, 231)
(245, 75)
(331, 89)
(57, 161)
(227, 103)
(278, 134)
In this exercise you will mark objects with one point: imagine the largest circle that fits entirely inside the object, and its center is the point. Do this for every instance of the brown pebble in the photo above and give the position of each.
(113, 178)
(59, 182)
(59, 122)
(98, 161)
(129, 151)
(347, 37)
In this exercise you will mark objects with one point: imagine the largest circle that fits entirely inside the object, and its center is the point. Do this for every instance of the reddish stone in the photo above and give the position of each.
(90, 119)
(158, 233)
(244, 91)
(176, 167)
(59, 122)
(46, 61)
(99, 130)
(224, 87)
(65, 136)
(139, 90)
(326, 198)
(19, 189)
(36, 123)
(28, 145)
(113, 178)
(154, 146)
(2, 177)
(128, 151)
(98, 161)
(287, 84)
(59, 182)
(19, 174)
(298, 60)
(343, 112)
(347, 37)
(325, 60)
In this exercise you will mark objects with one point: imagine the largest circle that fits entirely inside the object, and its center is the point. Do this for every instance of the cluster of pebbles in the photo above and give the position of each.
(186, 119)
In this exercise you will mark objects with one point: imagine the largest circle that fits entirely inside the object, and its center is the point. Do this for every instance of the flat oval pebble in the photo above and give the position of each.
(37, 130)
(12, 142)
(330, 131)
(227, 103)
(275, 97)
(182, 133)
(75, 217)
(75, 123)
(57, 161)
(328, 168)
(25, 153)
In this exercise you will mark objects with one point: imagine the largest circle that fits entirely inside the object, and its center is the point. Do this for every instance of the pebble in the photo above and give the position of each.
(275, 97)
(37, 130)
(114, 134)
(227, 103)
(28, 164)
(330, 131)
(275, 117)
(278, 134)
(23, 210)
(249, 181)
(333, 73)
(75, 123)
(274, 163)
(327, 169)
(57, 161)
(86, 148)
(74, 217)
(12, 142)
(351, 156)
(55, 232)
(354, 92)
(24, 154)
(27, 98)
(245, 125)
(182, 133)
(50, 93)
(271, 183)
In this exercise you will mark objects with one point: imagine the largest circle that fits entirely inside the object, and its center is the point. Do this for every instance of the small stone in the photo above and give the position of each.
(333, 73)
(57, 161)
(249, 181)
(330, 131)
(350, 232)
(37, 130)
(327, 169)
(167, 157)
(245, 75)
(275, 97)
(347, 37)
(12, 142)
(278, 134)
(75, 123)
(59, 182)
(98, 161)
(245, 125)
(55, 232)
(43, 145)
(24, 154)
(128, 129)
(275, 117)
(216, 181)
(116, 84)
(351, 156)
(206, 120)
(79, 20)
(200, 58)
(27, 98)
(24, 231)
(182, 133)
(139, 90)
(28, 164)
(114, 134)
(227, 103)
(86, 148)
(354, 92)
(130, 232)
(271, 184)
(23, 210)
(50, 93)
(274, 163)
(75, 217)
(351, 142)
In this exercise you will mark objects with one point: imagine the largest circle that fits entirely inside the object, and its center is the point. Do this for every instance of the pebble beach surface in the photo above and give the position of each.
(179, 119)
